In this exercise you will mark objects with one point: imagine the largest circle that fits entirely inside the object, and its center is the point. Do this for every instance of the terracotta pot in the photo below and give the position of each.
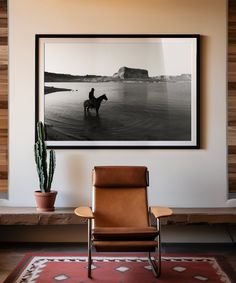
(45, 201)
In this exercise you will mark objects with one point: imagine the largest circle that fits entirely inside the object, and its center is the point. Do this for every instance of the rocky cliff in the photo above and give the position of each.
(131, 73)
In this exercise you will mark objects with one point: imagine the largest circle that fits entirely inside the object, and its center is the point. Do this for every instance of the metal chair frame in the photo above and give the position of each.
(154, 263)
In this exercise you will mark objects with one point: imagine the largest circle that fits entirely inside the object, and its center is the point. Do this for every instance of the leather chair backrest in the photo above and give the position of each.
(120, 196)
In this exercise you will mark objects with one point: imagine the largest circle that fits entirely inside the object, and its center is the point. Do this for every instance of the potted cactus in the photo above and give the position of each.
(45, 197)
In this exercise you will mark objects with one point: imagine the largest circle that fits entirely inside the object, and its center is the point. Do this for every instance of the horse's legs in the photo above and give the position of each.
(86, 109)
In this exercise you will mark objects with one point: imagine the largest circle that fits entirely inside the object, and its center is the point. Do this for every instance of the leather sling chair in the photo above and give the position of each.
(119, 218)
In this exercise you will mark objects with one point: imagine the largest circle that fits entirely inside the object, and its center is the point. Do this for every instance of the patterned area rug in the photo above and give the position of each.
(72, 268)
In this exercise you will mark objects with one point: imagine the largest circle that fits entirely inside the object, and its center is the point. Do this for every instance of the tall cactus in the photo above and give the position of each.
(45, 171)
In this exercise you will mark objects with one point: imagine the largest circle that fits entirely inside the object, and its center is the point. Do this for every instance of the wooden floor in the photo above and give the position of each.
(11, 254)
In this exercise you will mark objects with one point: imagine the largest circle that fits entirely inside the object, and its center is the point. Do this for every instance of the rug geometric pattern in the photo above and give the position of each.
(117, 269)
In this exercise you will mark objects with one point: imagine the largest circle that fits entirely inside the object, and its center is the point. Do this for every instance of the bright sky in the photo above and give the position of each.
(104, 57)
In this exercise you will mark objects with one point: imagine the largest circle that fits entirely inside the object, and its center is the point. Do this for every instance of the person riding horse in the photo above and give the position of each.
(94, 102)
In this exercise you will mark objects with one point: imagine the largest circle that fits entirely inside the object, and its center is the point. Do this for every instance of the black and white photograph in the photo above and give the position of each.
(118, 91)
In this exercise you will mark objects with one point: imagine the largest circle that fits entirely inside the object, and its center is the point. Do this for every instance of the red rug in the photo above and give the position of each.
(72, 268)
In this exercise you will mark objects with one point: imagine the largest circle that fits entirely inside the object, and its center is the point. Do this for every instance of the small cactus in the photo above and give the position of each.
(45, 171)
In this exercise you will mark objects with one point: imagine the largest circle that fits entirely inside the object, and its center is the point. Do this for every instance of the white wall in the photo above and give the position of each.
(178, 178)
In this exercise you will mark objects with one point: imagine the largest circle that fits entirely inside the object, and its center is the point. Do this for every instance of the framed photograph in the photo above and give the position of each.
(118, 91)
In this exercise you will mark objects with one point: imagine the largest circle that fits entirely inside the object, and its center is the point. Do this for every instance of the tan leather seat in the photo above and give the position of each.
(124, 233)
(119, 219)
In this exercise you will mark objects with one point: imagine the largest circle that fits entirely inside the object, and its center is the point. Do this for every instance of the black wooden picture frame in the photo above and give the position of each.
(118, 91)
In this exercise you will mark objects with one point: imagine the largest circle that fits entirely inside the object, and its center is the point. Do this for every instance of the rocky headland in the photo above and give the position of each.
(125, 73)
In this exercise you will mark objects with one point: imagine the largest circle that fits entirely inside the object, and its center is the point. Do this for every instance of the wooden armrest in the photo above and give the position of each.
(160, 211)
(84, 211)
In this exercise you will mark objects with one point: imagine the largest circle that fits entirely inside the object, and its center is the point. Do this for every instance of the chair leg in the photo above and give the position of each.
(159, 247)
(153, 265)
(89, 249)
(156, 268)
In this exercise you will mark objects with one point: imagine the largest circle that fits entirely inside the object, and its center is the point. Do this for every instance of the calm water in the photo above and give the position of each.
(134, 111)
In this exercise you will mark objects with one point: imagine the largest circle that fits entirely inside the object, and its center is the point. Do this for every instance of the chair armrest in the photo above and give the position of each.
(160, 211)
(84, 211)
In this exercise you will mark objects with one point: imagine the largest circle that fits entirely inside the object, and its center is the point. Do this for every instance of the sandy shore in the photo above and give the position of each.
(50, 89)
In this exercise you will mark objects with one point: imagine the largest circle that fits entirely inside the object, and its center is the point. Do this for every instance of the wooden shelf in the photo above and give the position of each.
(202, 215)
(66, 216)
(30, 216)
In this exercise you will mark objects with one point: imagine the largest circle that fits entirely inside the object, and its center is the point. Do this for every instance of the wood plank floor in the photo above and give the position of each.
(11, 254)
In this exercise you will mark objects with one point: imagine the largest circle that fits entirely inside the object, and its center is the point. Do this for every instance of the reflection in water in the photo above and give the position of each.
(91, 125)
(91, 120)
(134, 111)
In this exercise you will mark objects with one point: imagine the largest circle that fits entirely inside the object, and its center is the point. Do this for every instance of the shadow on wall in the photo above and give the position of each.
(77, 180)
(3, 195)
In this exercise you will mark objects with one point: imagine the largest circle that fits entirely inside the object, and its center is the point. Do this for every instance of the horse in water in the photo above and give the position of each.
(94, 103)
